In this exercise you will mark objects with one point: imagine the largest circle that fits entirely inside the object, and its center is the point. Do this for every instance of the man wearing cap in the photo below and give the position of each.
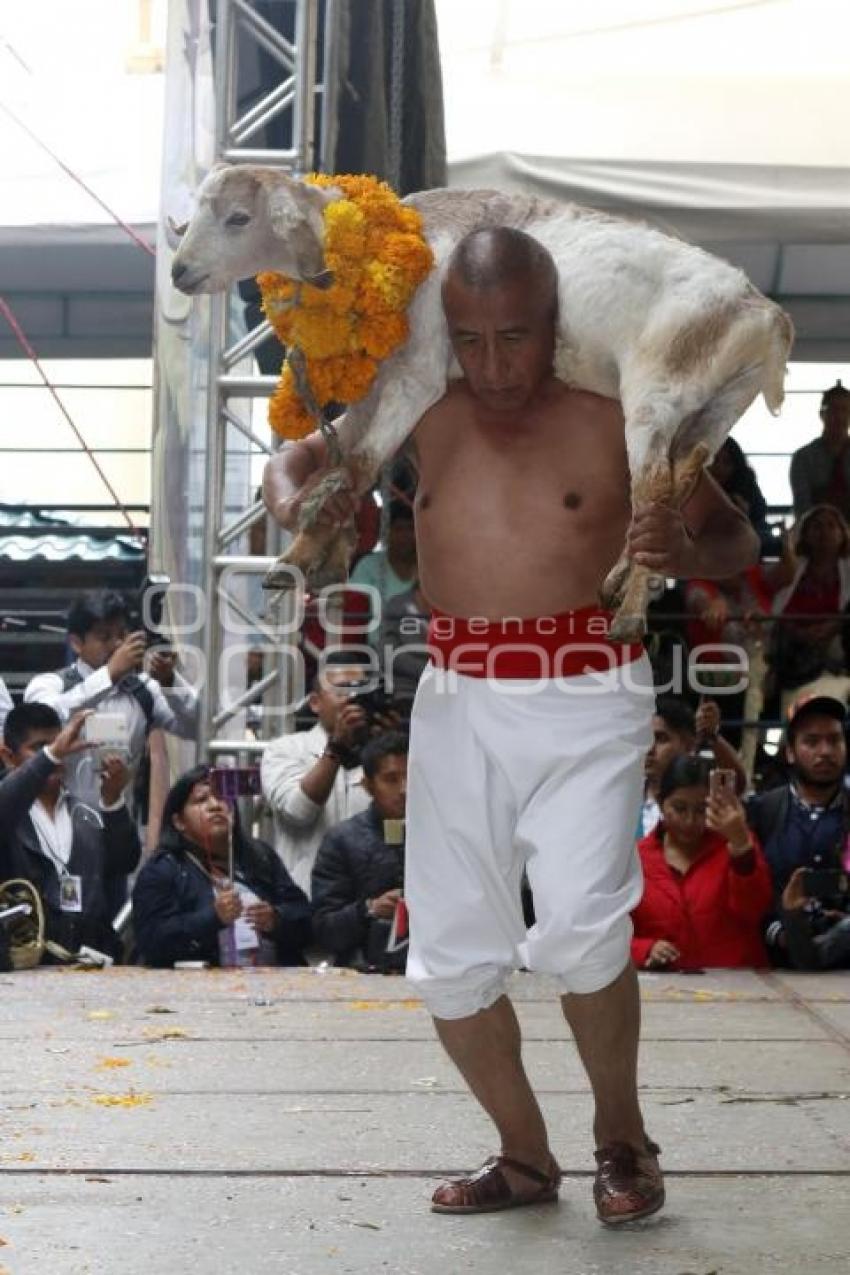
(820, 471)
(801, 825)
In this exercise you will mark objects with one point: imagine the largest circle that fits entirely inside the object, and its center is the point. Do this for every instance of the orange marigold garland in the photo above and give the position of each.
(378, 255)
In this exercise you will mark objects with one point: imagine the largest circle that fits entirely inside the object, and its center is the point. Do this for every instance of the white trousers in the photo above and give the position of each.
(508, 775)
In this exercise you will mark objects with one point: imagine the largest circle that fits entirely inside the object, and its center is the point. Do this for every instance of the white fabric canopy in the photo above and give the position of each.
(726, 123)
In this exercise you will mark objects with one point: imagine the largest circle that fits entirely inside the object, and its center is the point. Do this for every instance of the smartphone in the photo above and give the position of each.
(826, 883)
(109, 732)
(721, 782)
(231, 782)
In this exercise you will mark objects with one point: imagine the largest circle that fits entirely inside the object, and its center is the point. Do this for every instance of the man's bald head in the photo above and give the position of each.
(500, 256)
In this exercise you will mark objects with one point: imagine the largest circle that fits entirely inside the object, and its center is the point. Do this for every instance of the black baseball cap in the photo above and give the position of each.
(811, 705)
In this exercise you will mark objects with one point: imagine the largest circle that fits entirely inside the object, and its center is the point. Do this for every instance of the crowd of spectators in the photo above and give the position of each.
(744, 851)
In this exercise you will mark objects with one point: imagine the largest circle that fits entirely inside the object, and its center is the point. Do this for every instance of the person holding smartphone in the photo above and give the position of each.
(68, 850)
(706, 881)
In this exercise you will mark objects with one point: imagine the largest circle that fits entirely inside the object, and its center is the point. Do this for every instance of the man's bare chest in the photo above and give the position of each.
(572, 470)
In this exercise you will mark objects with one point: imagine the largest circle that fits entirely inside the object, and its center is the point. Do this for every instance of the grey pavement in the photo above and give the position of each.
(296, 1122)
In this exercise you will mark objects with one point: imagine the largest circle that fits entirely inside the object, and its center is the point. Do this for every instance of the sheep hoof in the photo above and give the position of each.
(325, 573)
(627, 628)
(281, 577)
(613, 586)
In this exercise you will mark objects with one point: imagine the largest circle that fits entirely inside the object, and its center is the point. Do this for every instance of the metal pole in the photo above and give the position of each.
(238, 19)
(304, 108)
(213, 514)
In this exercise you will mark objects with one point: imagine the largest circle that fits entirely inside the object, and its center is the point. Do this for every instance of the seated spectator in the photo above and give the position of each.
(820, 471)
(406, 621)
(65, 848)
(391, 570)
(676, 732)
(186, 905)
(731, 613)
(807, 642)
(802, 824)
(706, 881)
(312, 780)
(731, 471)
(359, 870)
(107, 677)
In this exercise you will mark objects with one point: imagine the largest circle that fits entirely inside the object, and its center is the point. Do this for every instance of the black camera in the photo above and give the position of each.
(146, 609)
(371, 696)
(830, 886)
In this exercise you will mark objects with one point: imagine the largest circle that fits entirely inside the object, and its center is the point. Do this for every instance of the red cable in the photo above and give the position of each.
(142, 243)
(9, 316)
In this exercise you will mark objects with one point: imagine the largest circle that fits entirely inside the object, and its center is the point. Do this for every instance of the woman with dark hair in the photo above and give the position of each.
(706, 881)
(732, 471)
(211, 892)
(808, 641)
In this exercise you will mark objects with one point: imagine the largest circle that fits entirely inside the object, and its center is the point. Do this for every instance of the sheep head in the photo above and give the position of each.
(250, 219)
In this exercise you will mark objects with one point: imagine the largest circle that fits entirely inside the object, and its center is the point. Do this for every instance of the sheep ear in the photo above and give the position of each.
(293, 205)
(286, 207)
(295, 215)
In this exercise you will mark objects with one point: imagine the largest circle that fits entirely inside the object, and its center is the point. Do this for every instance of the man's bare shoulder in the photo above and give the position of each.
(457, 399)
(590, 406)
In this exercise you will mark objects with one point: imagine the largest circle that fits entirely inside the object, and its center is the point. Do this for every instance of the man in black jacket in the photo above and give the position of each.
(211, 893)
(66, 848)
(359, 870)
(802, 827)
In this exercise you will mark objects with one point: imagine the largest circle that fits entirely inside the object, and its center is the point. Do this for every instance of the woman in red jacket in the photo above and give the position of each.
(706, 882)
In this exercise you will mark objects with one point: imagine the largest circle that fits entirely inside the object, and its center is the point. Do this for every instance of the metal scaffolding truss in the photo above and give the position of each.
(295, 97)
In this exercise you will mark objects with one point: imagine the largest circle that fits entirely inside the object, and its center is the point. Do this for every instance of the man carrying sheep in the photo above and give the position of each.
(529, 753)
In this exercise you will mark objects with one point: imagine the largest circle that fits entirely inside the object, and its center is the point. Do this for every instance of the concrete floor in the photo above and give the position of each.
(296, 1122)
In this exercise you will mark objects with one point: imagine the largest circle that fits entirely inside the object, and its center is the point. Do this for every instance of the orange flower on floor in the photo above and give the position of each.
(379, 256)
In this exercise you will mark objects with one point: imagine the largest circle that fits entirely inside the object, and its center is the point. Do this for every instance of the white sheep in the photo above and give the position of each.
(681, 338)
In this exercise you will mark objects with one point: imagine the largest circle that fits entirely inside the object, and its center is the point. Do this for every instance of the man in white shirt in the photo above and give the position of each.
(106, 676)
(312, 780)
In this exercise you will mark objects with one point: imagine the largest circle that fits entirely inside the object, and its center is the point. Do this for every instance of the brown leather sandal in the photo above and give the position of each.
(488, 1190)
(629, 1184)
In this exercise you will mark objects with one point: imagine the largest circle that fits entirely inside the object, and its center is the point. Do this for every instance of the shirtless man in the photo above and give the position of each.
(522, 507)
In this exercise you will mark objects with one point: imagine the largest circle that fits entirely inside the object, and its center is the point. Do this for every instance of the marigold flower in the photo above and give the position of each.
(322, 333)
(380, 335)
(288, 416)
(377, 253)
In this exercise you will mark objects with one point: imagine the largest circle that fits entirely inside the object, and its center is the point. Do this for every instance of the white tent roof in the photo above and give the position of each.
(723, 122)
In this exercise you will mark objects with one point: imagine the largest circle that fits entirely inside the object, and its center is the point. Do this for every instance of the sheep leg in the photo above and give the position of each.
(653, 486)
(667, 483)
(686, 473)
(611, 591)
(370, 433)
(320, 553)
